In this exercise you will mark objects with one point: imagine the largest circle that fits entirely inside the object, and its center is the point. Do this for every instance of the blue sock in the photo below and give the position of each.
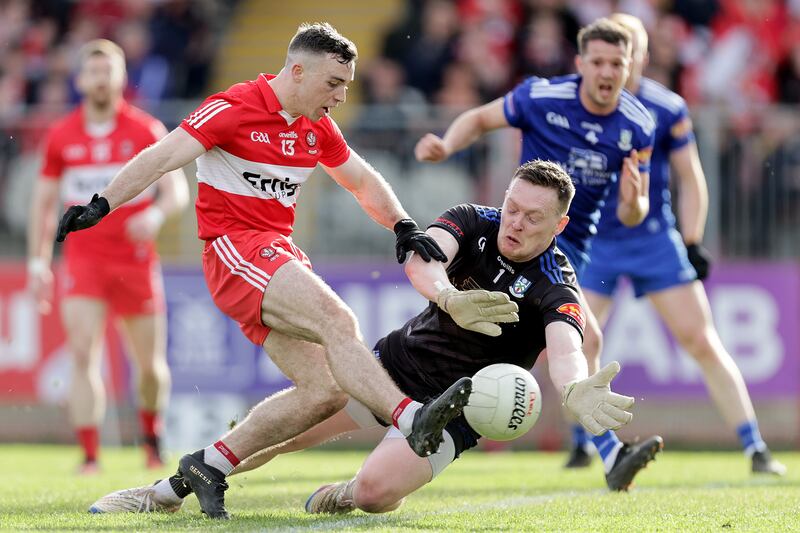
(607, 446)
(750, 437)
(580, 437)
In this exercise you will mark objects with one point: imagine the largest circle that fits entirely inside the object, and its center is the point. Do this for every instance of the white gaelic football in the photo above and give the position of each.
(505, 402)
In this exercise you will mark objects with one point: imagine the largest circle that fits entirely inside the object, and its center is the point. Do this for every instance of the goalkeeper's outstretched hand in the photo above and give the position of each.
(478, 310)
(80, 217)
(593, 404)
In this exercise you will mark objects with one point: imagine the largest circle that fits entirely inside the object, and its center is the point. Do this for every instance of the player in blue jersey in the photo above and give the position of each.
(603, 137)
(666, 265)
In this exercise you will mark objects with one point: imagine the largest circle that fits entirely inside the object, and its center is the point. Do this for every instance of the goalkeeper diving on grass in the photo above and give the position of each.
(506, 295)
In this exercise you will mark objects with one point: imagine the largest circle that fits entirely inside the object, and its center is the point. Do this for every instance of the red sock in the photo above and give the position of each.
(151, 423)
(398, 411)
(89, 440)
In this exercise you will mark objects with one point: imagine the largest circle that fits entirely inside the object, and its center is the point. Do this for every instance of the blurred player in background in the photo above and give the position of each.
(112, 270)
(601, 135)
(255, 145)
(666, 265)
(493, 253)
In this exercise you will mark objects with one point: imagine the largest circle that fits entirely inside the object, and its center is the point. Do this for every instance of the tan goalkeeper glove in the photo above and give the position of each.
(478, 310)
(594, 405)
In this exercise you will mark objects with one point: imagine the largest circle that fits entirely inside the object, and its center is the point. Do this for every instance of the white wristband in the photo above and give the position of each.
(37, 266)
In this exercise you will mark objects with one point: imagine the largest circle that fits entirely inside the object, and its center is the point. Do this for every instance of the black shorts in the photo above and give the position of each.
(464, 437)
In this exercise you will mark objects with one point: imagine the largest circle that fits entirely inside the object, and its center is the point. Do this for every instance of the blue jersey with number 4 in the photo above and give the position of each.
(556, 127)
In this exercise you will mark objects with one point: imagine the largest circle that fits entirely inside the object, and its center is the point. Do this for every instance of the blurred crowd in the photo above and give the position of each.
(461, 53)
(169, 46)
(442, 57)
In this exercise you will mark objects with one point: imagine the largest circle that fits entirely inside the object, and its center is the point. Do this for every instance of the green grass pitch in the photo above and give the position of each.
(682, 491)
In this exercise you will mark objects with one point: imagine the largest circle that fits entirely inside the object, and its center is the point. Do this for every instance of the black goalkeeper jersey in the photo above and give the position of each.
(431, 351)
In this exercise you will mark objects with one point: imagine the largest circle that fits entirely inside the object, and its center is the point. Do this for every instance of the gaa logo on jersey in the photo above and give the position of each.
(573, 310)
(519, 287)
(267, 252)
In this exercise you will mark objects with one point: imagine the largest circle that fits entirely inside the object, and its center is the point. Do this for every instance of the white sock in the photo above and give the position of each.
(403, 415)
(164, 492)
(608, 461)
(220, 457)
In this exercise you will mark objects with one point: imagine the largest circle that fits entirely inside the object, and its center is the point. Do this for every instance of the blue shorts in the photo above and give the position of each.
(652, 263)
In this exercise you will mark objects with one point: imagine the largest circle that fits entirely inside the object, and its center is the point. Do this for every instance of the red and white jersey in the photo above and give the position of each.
(85, 161)
(258, 158)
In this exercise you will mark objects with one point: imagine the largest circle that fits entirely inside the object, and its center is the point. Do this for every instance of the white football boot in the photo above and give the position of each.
(137, 500)
(336, 498)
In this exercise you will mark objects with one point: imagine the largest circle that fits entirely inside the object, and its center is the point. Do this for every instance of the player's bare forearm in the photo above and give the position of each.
(428, 278)
(378, 200)
(564, 356)
(172, 152)
(693, 197)
(471, 125)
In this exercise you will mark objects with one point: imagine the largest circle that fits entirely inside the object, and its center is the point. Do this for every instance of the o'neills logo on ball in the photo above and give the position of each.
(267, 253)
(521, 410)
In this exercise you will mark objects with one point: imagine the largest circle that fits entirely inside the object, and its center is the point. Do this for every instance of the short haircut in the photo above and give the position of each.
(549, 175)
(103, 47)
(634, 26)
(603, 29)
(322, 38)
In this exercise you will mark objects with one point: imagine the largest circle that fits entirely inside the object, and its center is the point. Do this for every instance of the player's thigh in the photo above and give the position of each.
(84, 320)
(299, 303)
(146, 339)
(684, 309)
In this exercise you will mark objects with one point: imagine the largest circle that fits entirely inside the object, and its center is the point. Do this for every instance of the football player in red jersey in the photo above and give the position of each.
(111, 270)
(255, 144)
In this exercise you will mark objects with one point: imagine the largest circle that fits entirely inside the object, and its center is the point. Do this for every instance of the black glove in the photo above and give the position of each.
(412, 239)
(700, 259)
(80, 217)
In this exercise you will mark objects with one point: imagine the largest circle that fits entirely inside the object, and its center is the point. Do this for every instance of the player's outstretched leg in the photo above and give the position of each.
(336, 498)
(631, 458)
(207, 483)
(431, 418)
(136, 500)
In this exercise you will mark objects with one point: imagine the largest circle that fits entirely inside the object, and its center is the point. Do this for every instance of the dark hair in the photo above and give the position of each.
(549, 175)
(322, 38)
(603, 29)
